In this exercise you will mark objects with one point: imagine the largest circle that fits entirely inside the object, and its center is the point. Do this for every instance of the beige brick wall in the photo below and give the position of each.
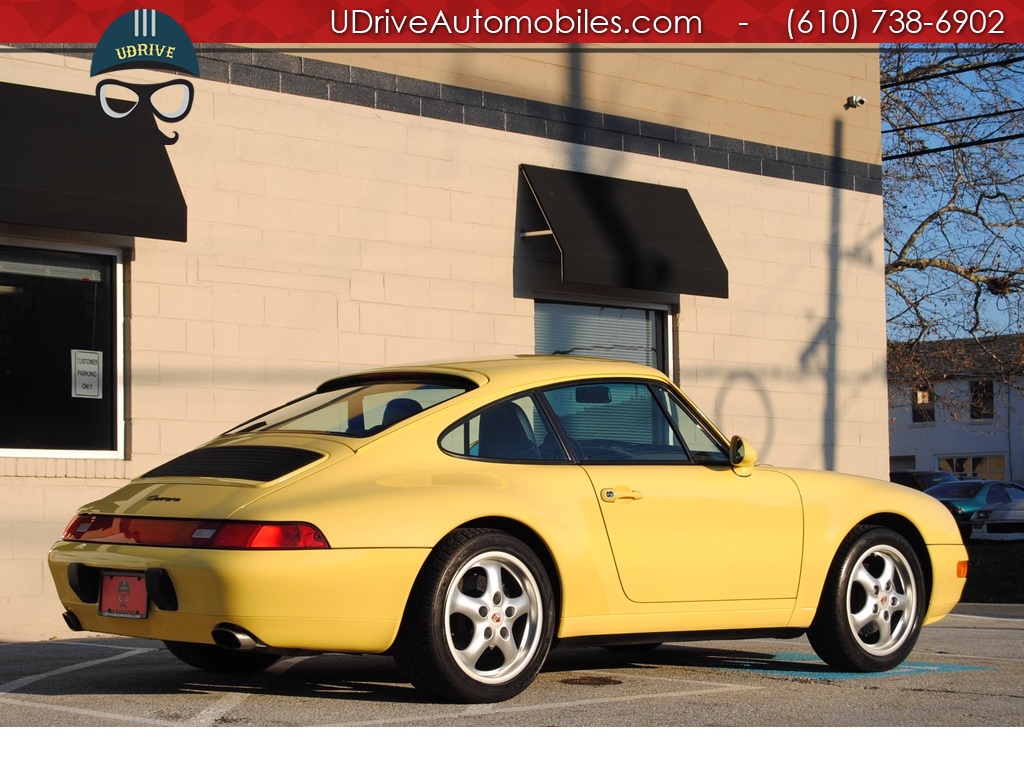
(788, 96)
(326, 237)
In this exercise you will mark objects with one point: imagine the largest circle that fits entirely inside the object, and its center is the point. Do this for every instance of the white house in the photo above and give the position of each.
(956, 406)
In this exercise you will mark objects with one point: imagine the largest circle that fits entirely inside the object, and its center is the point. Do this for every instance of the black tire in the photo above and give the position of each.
(213, 659)
(480, 619)
(872, 605)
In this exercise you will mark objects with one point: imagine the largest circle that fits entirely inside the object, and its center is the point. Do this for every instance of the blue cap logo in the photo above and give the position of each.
(144, 39)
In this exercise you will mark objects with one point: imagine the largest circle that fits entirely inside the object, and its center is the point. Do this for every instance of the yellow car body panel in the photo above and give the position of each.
(670, 545)
(679, 549)
(317, 600)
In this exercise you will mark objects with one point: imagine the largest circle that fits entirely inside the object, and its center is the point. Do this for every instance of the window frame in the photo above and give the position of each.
(970, 464)
(119, 258)
(984, 404)
(924, 409)
(662, 324)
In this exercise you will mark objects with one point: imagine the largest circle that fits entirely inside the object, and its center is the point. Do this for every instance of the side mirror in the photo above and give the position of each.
(742, 456)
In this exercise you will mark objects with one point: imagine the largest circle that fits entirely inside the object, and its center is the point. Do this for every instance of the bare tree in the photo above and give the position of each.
(953, 181)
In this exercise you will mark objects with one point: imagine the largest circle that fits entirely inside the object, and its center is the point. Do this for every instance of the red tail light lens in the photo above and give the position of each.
(203, 534)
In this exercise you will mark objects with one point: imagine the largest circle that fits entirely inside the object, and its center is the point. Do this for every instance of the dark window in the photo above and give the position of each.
(512, 430)
(923, 404)
(982, 400)
(961, 490)
(997, 495)
(984, 467)
(58, 350)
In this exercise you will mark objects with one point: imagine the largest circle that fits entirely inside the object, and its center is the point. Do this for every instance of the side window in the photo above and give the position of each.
(380, 410)
(616, 422)
(1015, 493)
(704, 447)
(997, 495)
(512, 430)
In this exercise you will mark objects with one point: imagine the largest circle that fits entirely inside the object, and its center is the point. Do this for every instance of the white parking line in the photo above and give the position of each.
(208, 716)
(230, 701)
(20, 700)
(1011, 619)
(476, 710)
(7, 696)
(21, 682)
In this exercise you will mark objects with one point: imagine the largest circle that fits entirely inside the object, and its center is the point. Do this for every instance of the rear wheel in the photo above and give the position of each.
(213, 659)
(874, 600)
(480, 619)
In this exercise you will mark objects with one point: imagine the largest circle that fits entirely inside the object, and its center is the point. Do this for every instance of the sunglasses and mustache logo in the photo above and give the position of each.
(146, 39)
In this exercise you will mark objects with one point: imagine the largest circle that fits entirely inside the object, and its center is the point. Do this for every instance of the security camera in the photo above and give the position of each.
(852, 102)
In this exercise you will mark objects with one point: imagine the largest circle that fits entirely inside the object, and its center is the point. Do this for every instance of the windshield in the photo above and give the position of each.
(958, 490)
(360, 410)
(928, 480)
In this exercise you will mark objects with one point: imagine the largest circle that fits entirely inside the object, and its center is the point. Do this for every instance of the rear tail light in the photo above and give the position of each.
(204, 534)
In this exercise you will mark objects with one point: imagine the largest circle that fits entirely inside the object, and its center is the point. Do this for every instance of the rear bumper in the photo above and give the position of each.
(348, 600)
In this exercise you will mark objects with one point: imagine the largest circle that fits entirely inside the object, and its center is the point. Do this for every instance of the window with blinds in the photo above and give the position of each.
(620, 333)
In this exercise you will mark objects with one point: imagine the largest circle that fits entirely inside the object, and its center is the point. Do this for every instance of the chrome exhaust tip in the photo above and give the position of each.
(235, 639)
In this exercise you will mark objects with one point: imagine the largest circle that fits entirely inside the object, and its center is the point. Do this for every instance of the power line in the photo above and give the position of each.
(955, 120)
(950, 73)
(951, 147)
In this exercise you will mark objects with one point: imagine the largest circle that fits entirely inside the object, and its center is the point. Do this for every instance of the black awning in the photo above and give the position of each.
(65, 164)
(627, 234)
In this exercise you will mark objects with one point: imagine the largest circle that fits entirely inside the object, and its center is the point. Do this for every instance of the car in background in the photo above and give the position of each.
(922, 479)
(1003, 522)
(465, 516)
(965, 497)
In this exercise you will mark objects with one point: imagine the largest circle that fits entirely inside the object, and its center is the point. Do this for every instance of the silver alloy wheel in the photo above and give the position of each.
(881, 600)
(493, 612)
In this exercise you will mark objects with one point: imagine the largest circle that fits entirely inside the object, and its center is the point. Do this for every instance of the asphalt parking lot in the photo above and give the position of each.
(967, 670)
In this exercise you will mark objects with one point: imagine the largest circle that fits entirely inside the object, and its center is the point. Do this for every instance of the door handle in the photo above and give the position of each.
(611, 495)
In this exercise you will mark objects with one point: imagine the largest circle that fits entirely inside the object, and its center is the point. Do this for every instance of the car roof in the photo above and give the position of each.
(514, 370)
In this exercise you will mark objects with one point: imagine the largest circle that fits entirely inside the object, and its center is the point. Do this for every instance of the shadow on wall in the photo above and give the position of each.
(537, 274)
(537, 261)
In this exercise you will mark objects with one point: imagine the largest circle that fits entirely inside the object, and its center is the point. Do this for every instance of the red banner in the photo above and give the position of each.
(550, 22)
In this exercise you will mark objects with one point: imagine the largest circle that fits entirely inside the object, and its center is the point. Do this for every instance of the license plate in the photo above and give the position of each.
(123, 596)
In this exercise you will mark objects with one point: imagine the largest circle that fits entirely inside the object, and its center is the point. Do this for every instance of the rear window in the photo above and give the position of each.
(362, 409)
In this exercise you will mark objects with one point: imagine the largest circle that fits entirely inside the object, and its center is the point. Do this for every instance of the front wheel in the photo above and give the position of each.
(873, 604)
(480, 619)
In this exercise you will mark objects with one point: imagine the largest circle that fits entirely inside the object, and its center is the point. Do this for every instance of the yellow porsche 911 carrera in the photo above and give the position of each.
(466, 516)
